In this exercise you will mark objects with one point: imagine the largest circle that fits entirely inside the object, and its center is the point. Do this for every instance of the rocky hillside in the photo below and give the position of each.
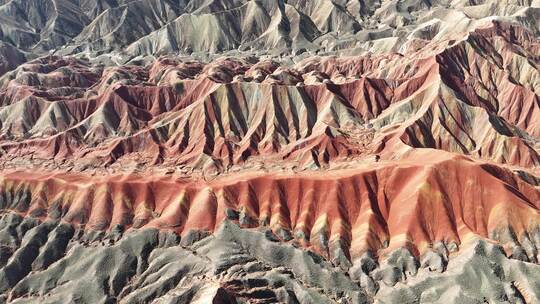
(175, 151)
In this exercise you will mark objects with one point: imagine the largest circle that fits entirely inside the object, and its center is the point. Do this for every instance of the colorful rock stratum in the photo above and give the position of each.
(270, 151)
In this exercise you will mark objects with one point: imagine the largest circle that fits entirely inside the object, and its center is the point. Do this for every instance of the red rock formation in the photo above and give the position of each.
(131, 134)
(426, 198)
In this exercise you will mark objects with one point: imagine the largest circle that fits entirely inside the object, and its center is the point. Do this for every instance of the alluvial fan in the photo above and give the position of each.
(270, 151)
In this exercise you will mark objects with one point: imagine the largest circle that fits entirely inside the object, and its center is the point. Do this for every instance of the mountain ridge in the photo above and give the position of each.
(203, 151)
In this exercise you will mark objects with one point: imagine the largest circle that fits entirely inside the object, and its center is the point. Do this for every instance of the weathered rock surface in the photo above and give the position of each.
(478, 95)
(132, 28)
(203, 151)
(235, 265)
(427, 201)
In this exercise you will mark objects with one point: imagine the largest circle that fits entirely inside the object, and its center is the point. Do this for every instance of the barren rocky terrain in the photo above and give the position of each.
(235, 151)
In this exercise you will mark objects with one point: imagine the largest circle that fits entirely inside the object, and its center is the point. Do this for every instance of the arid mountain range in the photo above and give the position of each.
(269, 151)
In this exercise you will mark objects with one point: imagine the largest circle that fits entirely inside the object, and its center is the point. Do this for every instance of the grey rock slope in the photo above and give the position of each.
(51, 262)
(132, 28)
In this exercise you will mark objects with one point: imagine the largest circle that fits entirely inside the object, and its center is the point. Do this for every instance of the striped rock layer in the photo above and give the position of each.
(409, 171)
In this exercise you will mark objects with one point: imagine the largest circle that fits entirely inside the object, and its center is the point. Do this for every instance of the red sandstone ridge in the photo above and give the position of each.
(426, 198)
(473, 95)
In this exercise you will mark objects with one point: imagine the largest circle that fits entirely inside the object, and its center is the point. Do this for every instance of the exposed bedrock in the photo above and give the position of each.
(274, 238)
(270, 151)
(429, 204)
(476, 94)
(237, 264)
(295, 28)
